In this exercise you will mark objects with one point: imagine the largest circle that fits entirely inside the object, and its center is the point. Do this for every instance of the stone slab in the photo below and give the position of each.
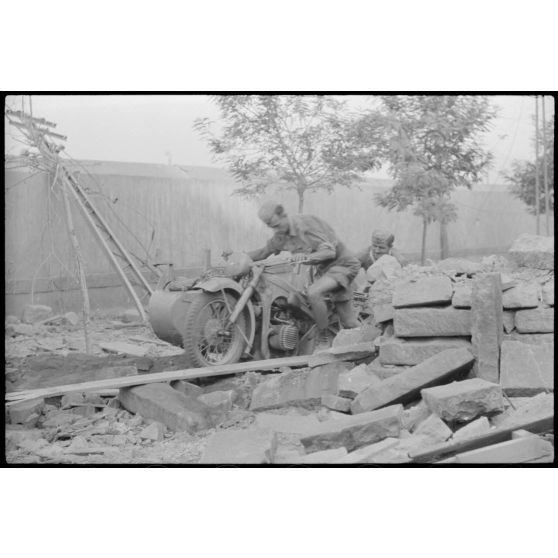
(547, 292)
(530, 338)
(221, 400)
(34, 313)
(352, 382)
(538, 320)
(302, 388)
(321, 457)
(525, 295)
(384, 371)
(487, 325)
(413, 416)
(432, 322)
(287, 424)
(363, 334)
(187, 388)
(406, 386)
(433, 428)
(462, 295)
(520, 450)
(354, 352)
(354, 432)
(364, 454)
(20, 412)
(411, 352)
(162, 403)
(508, 321)
(382, 312)
(336, 403)
(525, 369)
(529, 250)
(531, 409)
(251, 446)
(425, 291)
(478, 426)
(465, 400)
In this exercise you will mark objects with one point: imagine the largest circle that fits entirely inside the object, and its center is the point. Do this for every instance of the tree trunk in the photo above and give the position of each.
(444, 245)
(423, 245)
(300, 201)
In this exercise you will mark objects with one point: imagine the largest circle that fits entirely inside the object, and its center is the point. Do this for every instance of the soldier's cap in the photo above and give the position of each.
(268, 209)
(382, 236)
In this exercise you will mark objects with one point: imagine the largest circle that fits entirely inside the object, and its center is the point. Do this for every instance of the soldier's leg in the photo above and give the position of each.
(347, 313)
(316, 292)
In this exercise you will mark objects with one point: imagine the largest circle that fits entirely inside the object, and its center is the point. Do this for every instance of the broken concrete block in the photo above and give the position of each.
(162, 403)
(382, 312)
(31, 421)
(547, 292)
(458, 266)
(406, 386)
(19, 412)
(508, 321)
(34, 313)
(423, 292)
(432, 322)
(297, 387)
(463, 401)
(251, 446)
(336, 403)
(433, 428)
(538, 320)
(411, 352)
(522, 296)
(525, 369)
(534, 407)
(354, 432)
(325, 357)
(521, 450)
(221, 400)
(413, 416)
(530, 338)
(85, 410)
(521, 434)
(287, 424)
(155, 431)
(487, 325)
(186, 388)
(352, 382)
(385, 371)
(529, 250)
(479, 426)
(363, 334)
(321, 457)
(364, 454)
(81, 398)
(462, 295)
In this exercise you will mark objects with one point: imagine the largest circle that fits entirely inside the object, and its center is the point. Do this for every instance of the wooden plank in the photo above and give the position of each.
(521, 450)
(187, 374)
(540, 424)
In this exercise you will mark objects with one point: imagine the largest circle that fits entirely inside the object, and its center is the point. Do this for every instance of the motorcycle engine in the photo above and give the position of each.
(283, 337)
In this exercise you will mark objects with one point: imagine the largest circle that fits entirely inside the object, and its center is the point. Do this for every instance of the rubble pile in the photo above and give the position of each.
(455, 366)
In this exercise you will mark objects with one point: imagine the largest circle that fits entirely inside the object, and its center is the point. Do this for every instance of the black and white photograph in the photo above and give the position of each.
(279, 279)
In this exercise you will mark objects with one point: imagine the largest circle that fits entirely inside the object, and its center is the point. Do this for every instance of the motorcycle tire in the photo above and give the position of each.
(206, 339)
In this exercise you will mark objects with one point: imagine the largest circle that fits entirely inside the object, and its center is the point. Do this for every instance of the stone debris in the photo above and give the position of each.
(250, 446)
(21, 411)
(220, 400)
(522, 296)
(433, 428)
(355, 336)
(34, 313)
(366, 453)
(406, 386)
(465, 400)
(531, 409)
(411, 352)
(547, 293)
(354, 432)
(287, 424)
(432, 322)
(462, 295)
(508, 321)
(530, 250)
(336, 403)
(385, 371)
(351, 382)
(538, 320)
(155, 431)
(478, 426)
(526, 369)
(321, 457)
(382, 312)
(187, 388)
(423, 292)
(414, 415)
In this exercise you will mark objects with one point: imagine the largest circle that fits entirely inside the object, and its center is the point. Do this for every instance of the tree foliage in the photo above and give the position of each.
(522, 178)
(298, 142)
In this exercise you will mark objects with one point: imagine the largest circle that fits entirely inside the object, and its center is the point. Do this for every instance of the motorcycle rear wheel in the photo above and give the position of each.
(207, 339)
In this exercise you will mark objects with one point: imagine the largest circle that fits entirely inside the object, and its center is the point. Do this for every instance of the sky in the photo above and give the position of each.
(158, 128)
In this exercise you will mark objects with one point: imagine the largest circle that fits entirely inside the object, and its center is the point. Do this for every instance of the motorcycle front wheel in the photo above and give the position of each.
(208, 339)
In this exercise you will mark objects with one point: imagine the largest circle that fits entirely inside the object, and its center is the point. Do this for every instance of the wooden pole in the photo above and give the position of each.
(545, 170)
(80, 264)
(537, 187)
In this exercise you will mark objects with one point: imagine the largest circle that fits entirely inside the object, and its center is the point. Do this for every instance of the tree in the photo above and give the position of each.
(299, 142)
(522, 179)
(433, 146)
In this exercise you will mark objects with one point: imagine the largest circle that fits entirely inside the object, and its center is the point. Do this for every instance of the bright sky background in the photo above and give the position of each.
(147, 128)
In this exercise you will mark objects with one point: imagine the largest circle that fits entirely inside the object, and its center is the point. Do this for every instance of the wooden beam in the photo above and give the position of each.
(540, 424)
(187, 374)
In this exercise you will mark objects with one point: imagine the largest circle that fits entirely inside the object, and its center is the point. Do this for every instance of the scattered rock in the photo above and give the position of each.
(336, 403)
(465, 400)
(479, 426)
(86, 410)
(155, 431)
(538, 320)
(220, 400)
(21, 411)
(355, 432)
(59, 419)
(548, 293)
(129, 316)
(432, 322)
(11, 320)
(364, 454)
(423, 292)
(413, 416)
(525, 369)
(352, 382)
(354, 352)
(72, 318)
(529, 250)
(406, 386)
(187, 388)
(458, 266)
(76, 399)
(34, 313)
(537, 406)
(251, 446)
(385, 371)
(20, 329)
(363, 334)
(508, 321)
(287, 424)
(382, 312)
(321, 457)
(433, 428)
(522, 296)
(411, 352)
(145, 364)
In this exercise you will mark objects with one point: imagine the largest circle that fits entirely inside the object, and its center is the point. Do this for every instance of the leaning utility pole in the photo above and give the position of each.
(545, 169)
(537, 187)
